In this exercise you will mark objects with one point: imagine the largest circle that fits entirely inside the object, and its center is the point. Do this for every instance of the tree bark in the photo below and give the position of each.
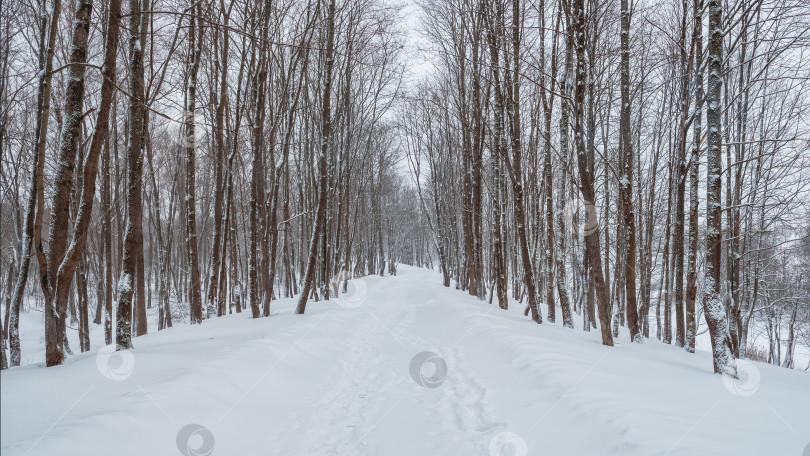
(691, 276)
(499, 151)
(565, 109)
(134, 225)
(195, 50)
(586, 185)
(72, 256)
(221, 68)
(257, 176)
(713, 307)
(33, 216)
(322, 177)
(626, 185)
(515, 165)
(63, 184)
(140, 277)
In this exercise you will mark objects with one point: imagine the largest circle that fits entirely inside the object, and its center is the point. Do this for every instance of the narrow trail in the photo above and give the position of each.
(338, 381)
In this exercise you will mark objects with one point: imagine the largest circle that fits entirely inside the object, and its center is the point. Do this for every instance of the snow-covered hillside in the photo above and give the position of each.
(351, 377)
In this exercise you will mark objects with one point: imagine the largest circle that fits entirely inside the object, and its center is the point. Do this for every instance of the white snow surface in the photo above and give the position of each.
(336, 381)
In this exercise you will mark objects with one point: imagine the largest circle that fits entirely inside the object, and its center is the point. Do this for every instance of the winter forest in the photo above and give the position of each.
(486, 225)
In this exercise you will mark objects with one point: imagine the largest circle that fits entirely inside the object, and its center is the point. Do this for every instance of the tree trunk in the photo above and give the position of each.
(586, 179)
(548, 177)
(33, 224)
(713, 307)
(326, 120)
(140, 276)
(791, 342)
(626, 185)
(516, 169)
(499, 150)
(134, 226)
(691, 276)
(195, 49)
(3, 360)
(565, 109)
(667, 334)
(60, 209)
(84, 326)
(217, 253)
(257, 176)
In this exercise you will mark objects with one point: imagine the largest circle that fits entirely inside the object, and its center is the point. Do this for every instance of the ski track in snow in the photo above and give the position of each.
(336, 381)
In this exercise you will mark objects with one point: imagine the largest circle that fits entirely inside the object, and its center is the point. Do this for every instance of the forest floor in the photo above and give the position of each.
(350, 378)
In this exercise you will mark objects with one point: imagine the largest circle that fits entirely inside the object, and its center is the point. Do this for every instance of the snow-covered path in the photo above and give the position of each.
(338, 381)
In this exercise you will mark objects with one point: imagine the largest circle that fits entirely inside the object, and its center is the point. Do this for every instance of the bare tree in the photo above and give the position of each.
(713, 307)
(586, 180)
(134, 226)
(195, 35)
(326, 121)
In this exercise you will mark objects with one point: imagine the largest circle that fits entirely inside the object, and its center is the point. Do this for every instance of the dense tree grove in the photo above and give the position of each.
(214, 166)
(553, 143)
(626, 166)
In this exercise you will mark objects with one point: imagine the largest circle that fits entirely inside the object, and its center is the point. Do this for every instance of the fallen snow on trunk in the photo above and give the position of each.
(403, 367)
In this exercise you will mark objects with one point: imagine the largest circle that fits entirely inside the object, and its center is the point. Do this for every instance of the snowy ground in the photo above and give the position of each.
(348, 379)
